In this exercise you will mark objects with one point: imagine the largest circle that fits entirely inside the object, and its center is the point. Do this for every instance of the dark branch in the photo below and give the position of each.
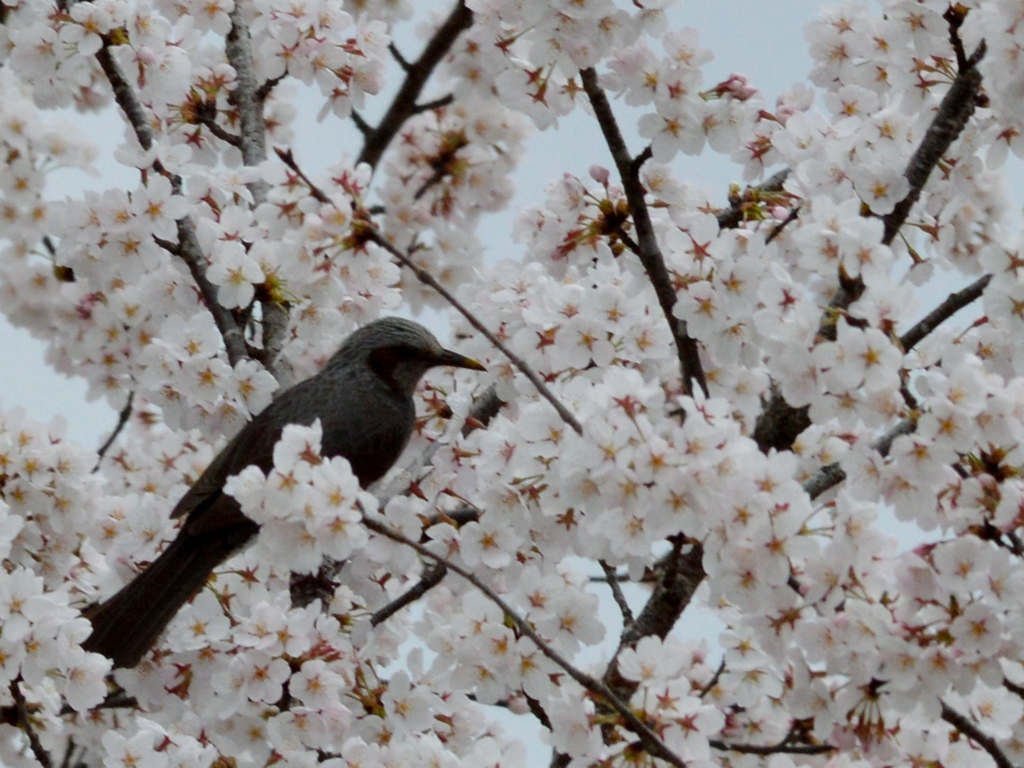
(650, 740)
(289, 159)
(780, 423)
(25, 723)
(125, 96)
(417, 73)
(263, 92)
(676, 580)
(649, 251)
(364, 127)
(211, 124)
(955, 110)
(713, 681)
(402, 61)
(772, 749)
(444, 101)
(793, 215)
(122, 419)
(192, 254)
(188, 248)
(953, 304)
(430, 579)
(832, 475)
(970, 729)
(612, 580)
(735, 215)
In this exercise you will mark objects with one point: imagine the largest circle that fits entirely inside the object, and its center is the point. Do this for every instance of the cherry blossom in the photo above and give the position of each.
(788, 415)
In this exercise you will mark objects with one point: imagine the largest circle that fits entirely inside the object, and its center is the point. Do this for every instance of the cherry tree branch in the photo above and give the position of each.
(430, 579)
(781, 748)
(709, 686)
(188, 249)
(953, 304)
(780, 423)
(649, 251)
(736, 213)
(248, 99)
(25, 723)
(950, 120)
(652, 743)
(832, 475)
(191, 253)
(122, 419)
(620, 599)
(970, 729)
(403, 106)
(124, 95)
(676, 581)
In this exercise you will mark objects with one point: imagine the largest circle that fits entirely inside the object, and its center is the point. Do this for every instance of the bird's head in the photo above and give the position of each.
(400, 351)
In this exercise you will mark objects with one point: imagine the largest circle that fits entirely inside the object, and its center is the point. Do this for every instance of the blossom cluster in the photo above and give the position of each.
(836, 485)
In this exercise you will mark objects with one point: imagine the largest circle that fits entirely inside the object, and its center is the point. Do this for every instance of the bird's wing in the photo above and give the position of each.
(253, 445)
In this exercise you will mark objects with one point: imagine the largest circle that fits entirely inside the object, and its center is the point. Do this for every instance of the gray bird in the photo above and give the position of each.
(364, 400)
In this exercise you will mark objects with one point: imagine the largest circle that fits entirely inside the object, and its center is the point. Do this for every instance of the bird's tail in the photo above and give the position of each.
(129, 623)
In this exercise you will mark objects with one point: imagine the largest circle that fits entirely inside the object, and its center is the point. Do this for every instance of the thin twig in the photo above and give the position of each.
(772, 749)
(970, 729)
(191, 253)
(263, 92)
(649, 251)
(444, 101)
(211, 124)
(713, 681)
(677, 577)
(1016, 546)
(25, 723)
(430, 579)
(288, 158)
(398, 57)
(653, 744)
(953, 304)
(69, 752)
(117, 700)
(1013, 688)
(617, 595)
(794, 214)
(364, 127)
(832, 475)
(733, 216)
(122, 419)
(124, 95)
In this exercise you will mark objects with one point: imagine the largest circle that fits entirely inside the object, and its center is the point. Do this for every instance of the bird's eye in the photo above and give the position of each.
(384, 359)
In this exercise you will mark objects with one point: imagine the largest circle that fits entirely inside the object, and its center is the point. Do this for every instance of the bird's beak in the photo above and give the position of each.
(454, 359)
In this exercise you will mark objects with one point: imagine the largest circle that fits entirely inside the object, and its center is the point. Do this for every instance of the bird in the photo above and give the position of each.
(363, 397)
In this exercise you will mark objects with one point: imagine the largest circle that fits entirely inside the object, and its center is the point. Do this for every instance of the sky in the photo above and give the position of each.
(762, 40)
